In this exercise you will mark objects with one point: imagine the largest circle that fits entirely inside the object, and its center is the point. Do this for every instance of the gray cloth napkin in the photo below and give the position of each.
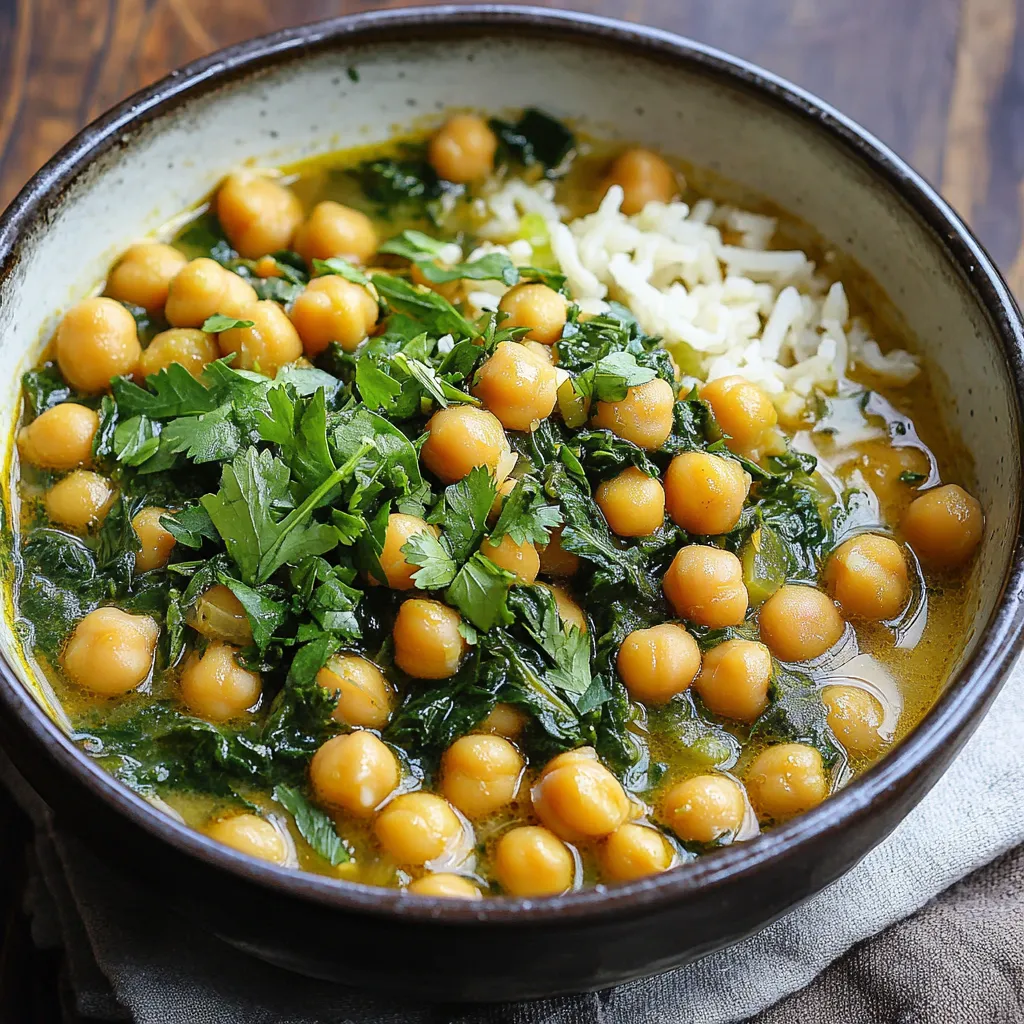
(959, 961)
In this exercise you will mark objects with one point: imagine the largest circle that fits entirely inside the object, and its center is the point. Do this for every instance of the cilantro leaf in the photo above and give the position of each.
(342, 268)
(424, 251)
(190, 526)
(479, 592)
(463, 511)
(525, 517)
(299, 427)
(438, 568)
(172, 392)
(610, 377)
(265, 614)
(377, 388)
(219, 322)
(432, 383)
(314, 825)
(433, 311)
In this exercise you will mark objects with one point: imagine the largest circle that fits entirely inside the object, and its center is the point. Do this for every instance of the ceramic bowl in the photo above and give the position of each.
(352, 81)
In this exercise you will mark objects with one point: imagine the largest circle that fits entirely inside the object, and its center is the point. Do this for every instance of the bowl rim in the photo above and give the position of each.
(948, 722)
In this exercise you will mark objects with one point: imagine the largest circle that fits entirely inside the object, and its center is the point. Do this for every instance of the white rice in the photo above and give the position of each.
(720, 308)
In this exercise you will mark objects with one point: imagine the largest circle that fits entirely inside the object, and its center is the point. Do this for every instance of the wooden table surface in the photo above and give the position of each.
(942, 81)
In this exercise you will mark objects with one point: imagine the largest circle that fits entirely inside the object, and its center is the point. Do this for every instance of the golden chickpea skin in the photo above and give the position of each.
(81, 500)
(111, 652)
(644, 176)
(632, 502)
(799, 623)
(401, 528)
(555, 560)
(271, 342)
(521, 560)
(462, 149)
(417, 827)
(216, 687)
(504, 720)
(251, 835)
(705, 493)
(743, 410)
(156, 542)
(532, 861)
(335, 230)
(705, 585)
(704, 809)
(144, 273)
(944, 526)
(59, 438)
(460, 438)
(786, 780)
(333, 309)
(644, 416)
(193, 348)
(97, 340)
(855, 718)
(734, 679)
(428, 644)
(634, 851)
(258, 215)
(449, 886)
(364, 695)
(517, 386)
(657, 663)
(538, 307)
(568, 610)
(219, 615)
(867, 575)
(578, 798)
(480, 774)
(203, 287)
(355, 772)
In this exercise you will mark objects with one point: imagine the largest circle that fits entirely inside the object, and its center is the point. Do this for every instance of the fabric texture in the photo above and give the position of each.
(959, 960)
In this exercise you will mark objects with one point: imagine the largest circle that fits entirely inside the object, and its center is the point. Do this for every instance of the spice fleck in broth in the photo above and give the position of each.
(486, 513)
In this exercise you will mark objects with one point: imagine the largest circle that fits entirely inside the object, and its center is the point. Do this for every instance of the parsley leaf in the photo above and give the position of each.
(479, 592)
(433, 311)
(219, 322)
(314, 825)
(438, 568)
(342, 268)
(463, 511)
(525, 517)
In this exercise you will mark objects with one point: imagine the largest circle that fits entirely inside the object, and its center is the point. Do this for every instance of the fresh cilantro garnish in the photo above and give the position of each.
(219, 322)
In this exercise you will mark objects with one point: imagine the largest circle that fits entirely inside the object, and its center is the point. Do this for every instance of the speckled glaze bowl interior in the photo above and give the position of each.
(358, 80)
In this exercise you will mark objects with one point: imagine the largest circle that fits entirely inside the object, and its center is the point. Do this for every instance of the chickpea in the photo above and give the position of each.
(462, 437)
(428, 644)
(416, 828)
(335, 230)
(531, 861)
(799, 623)
(399, 572)
(734, 679)
(644, 416)
(480, 774)
(333, 309)
(111, 652)
(644, 176)
(538, 307)
(258, 215)
(219, 615)
(355, 772)
(657, 663)
(214, 686)
(705, 493)
(568, 610)
(517, 386)
(704, 809)
(743, 410)
(855, 718)
(786, 780)
(555, 560)
(144, 273)
(521, 560)
(944, 526)
(157, 543)
(578, 798)
(634, 851)
(59, 438)
(82, 499)
(705, 585)
(203, 287)
(632, 502)
(504, 720)
(193, 348)
(448, 886)
(97, 340)
(364, 695)
(251, 835)
(462, 149)
(867, 575)
(271, 342)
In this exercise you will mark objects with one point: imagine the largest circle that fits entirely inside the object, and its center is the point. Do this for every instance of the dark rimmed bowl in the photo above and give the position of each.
(347, 81)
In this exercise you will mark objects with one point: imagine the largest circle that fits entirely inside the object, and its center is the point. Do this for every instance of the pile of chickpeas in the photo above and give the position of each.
(555, 815)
